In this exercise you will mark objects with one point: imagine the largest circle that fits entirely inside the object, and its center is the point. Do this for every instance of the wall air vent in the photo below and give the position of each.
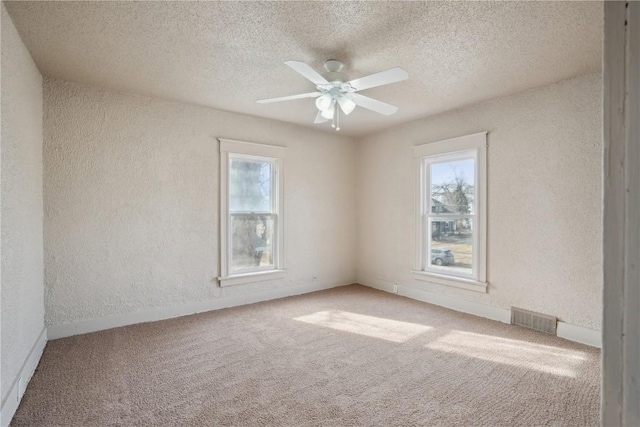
(536, 321)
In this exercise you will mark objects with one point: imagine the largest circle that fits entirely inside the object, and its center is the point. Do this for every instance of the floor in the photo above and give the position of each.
(350, 356)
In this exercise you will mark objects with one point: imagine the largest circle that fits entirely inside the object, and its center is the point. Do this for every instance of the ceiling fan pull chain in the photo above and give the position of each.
(337, 118)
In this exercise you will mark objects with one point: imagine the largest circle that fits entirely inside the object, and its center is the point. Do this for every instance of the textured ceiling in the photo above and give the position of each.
(226, 55)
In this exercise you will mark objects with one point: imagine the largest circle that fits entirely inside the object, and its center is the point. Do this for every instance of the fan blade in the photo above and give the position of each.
(319, 118)
(307, 72)
(289, 98)
(391, 75)
(374, 104)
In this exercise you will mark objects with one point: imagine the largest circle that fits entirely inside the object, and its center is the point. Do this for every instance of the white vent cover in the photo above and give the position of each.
(536, 321)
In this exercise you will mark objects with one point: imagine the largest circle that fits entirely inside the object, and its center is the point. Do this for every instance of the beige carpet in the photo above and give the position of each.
(350, 356)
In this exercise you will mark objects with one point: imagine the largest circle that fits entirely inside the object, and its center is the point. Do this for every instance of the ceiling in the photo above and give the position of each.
(226, 55)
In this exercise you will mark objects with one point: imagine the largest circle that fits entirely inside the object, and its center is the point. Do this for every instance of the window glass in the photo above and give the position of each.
(451, 244)
(252, 239)
(250, 185)
(452, 187)
(450, 198)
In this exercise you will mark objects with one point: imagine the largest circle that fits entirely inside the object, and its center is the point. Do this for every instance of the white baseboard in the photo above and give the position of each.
(443, 300)
(482, 310)
(565, 330)
(11, 402)
(152, 315)
(568, 331)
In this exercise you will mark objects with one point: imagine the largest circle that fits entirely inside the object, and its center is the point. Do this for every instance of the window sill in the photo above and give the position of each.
(455, 282)
(258, 276)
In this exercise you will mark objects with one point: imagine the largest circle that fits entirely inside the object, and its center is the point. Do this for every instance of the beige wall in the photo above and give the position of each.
(21, 151)
(544, 200)
(131, 202)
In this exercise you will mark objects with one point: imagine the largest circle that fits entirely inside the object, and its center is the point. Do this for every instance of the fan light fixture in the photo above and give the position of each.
(324, 102)
(328, 113)
(333, 91)
(346, 104)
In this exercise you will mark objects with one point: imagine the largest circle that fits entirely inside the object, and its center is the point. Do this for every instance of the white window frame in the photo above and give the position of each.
(464, 147)
(276, 155)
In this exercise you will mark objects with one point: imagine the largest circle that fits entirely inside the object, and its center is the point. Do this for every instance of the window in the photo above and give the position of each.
(251, 212)
(451, 212)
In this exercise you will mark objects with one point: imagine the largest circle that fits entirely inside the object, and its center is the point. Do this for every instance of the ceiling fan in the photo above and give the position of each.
(334, 90)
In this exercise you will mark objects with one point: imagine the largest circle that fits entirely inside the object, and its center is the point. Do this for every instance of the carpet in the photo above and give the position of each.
(350, 356)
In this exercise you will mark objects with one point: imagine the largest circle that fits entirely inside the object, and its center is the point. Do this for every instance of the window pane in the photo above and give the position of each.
(250, 184)
(453, 187)
(452, 246)
(252, 241)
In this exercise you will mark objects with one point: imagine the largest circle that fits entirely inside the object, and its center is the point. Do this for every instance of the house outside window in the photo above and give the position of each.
(451, 212)
(251, 212)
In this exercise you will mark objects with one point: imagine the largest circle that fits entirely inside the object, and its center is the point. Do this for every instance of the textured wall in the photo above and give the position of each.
(131, 202)
(22, 265)
(544, 199)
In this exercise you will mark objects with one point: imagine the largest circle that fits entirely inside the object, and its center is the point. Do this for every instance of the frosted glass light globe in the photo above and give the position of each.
(324, 102)
(328, 113)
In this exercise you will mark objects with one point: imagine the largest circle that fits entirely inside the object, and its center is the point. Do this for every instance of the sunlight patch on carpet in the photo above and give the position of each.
(543, 358)
(370, 326)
